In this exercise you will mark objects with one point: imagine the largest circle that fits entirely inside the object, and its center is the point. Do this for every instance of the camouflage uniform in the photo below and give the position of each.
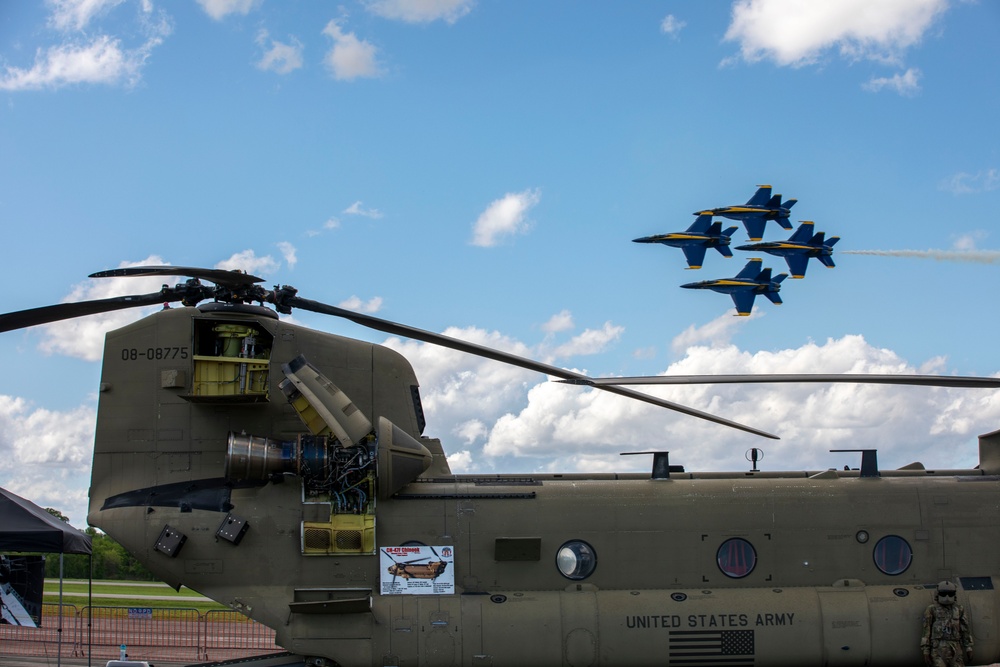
(947, 638)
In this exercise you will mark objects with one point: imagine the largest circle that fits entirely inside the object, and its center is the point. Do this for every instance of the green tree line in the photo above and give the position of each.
(111, 561)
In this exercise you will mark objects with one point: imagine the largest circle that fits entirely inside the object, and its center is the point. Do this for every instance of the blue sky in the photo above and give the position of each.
(480, 168)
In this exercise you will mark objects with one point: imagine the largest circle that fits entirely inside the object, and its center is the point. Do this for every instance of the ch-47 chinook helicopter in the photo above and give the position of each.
(283, 472)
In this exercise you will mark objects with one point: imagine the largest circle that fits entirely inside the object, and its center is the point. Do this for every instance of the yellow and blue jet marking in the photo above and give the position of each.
(700, 236)
(799, 247)
(745, 286)
(757, 211)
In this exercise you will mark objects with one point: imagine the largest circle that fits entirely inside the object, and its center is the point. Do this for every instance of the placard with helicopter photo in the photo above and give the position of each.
(417, 570)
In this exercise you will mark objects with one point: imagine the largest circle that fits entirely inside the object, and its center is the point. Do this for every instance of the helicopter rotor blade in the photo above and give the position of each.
(857, 378)
(231, 285)
(285, 299)
(65, 311)
(222, 277)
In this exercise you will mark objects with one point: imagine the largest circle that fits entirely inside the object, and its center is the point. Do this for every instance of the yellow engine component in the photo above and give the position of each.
(343, 534)
(230, 376)
(239, 371)
(233, 335)
(309, 416)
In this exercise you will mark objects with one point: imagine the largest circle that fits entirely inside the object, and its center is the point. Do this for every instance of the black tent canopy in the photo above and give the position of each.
(24, 526)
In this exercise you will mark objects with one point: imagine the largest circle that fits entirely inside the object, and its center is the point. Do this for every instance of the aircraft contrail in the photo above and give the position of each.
(973, 256)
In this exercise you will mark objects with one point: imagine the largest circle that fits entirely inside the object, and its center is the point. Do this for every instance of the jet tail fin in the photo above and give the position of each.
(761, 197)
(750, 271)
(701, 224)
(803, 233)
(777, 215)
(833, 241)
(724, 238)
(764, 277)
(772, 294)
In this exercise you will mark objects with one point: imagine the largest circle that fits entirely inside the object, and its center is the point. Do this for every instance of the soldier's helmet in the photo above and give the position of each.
(945, 593)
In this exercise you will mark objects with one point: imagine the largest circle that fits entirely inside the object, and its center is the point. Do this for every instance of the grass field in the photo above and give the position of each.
(127, 594)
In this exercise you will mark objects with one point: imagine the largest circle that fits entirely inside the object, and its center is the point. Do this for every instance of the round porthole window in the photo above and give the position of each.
(892, 555)
(576, 560)
(736, 558)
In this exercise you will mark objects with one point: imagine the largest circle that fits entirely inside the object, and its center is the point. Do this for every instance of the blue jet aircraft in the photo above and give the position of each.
(700, 236)
(757, 211)
(745, 286)
(799, 247)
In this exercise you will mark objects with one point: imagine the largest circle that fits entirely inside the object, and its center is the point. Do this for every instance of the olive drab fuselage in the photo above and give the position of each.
(217, 466)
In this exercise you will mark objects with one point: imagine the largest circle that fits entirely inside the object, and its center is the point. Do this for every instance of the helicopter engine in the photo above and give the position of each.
(345, 475)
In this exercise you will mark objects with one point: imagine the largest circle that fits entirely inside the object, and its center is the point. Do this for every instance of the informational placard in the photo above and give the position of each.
(417, 570)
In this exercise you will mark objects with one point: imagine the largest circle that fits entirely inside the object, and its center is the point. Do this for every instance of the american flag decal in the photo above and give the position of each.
(711, 647)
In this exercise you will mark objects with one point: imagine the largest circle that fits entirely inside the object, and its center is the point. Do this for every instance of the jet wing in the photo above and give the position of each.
(755, 227)
(744, 301)
(695, 255)
(797, 264)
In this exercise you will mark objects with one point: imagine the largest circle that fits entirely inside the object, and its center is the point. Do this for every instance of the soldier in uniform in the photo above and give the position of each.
(947, 638)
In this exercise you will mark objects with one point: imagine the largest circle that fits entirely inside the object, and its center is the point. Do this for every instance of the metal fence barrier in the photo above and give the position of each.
(158, 633)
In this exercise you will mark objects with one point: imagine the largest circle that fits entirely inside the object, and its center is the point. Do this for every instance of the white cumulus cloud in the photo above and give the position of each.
(247, 260)
(45, 455)
(717, 333)
(77, 14)
(561, 321)
(504, 217)
(88, 56)
(279, 57)
(420, 11)
(350, 58)
(964, 183)
(906, 84)
(373, 305)
(797, 32)
(671, 25)
(591, 341)
(288, 252)
(220, 9)
(573, 428)
(357, 209)
(101, 61)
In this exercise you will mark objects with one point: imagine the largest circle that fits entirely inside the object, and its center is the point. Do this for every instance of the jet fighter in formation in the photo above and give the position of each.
(700, 236)
(804, 243)
(757, 211)
(745, 286)
(799, 247)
